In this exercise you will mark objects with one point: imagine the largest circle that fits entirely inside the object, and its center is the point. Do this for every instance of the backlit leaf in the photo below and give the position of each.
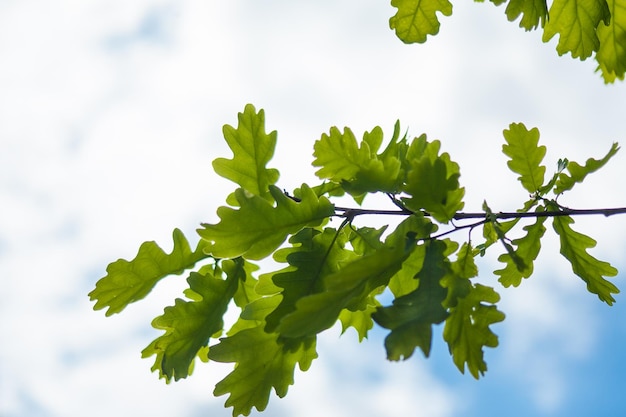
(467, 329)
(411, 316)
(574, 247)
(357, 168)
(525, 155)
(130, 281)
(258, 228)
(359, 320)
(315, 255)
(578, 172)
(262, 363)
(528, 248)
(348, 287)
(188, 325)
(433, 181)
(416, 19)
(534, 12)
(252, 150)
(611, 55)
(576, 21)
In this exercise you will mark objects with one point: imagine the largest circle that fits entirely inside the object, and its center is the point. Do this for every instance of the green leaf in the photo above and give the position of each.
(262, 363)
(411, 316)
(357, 168)
(611, 55)
(574, 247)
(404, 281)
(527, 250)
(576, 22)
(525, 155)
(416, 19)
(252, 150)
(472, 311)
(578, 173)
(257, 228)
(315, 255)
(360, 320)
(246, 291)
(130, 281)
(467, 329)
(188, 325)
(533, 11)
(349, 287)
(433, 181)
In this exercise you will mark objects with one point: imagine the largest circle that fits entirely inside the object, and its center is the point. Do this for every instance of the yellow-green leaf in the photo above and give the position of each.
(525, 155)
(416, 19)
(252, 150)
(258, 228)
(576, 22)
(130, 281)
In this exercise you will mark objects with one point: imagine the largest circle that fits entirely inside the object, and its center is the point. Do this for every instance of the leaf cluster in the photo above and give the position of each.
(332, 271)
(585, 28)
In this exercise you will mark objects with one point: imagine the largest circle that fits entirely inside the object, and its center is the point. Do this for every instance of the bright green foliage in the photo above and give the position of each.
(526, 156)
(258, 228)
(346, 288)
(584, 27)
(467, 330)
(611, 54)
(252, 150)
(472, 310)
(578, 173)
(416, 19)
(358, 170)
(528, 248)
(574, 247)
(188, 325)
(432, 181)
(338, 274)
(534, 12)
(314, 255)
(262, 363)
(576, 23)
(127, 282)
(411, 316)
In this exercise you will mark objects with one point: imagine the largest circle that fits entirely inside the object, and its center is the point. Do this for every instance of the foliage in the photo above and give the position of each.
(335, 271)
(584, 27)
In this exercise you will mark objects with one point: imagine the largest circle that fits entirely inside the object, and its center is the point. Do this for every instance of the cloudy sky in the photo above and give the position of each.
(110, 116)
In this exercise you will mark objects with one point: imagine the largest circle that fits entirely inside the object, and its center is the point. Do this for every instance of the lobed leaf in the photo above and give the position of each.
(252, 150)
(314, 255)
(433, 181)
(360, 320)
(611, 55)
(358, 169)
(574, 247)
(472, 311)
(411, 316)
(525, 155)
(576, 22)
(416, 19)
(130, 281)
(534, 12)
(257, 228)
(349, 287)
(527, 250)
(188, 325)
(467, 329)
(578, 173)
(262, 363)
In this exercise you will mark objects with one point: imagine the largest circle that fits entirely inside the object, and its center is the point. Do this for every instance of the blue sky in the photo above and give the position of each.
(110, 116)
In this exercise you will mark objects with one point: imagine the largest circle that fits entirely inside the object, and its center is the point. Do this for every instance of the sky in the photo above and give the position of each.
(111, 113)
